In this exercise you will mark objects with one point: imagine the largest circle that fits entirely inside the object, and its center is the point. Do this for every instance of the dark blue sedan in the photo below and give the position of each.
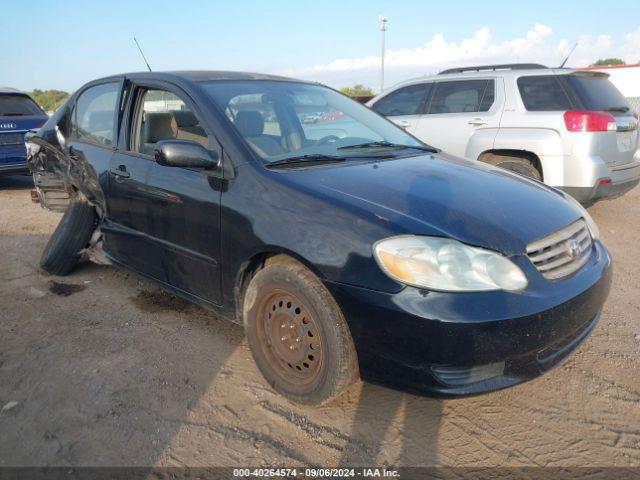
(346, 247)
(18, 114)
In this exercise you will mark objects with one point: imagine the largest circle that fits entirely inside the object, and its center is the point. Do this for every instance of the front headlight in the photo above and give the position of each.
(444, 264)
(591, 225)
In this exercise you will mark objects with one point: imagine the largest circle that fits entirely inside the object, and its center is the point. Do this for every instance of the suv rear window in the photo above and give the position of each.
(596, 92)
(543, 93)
(18, 106)
(584, 91)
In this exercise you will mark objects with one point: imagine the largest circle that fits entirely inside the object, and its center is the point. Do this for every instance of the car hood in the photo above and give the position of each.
(447, 196)
(22, 122)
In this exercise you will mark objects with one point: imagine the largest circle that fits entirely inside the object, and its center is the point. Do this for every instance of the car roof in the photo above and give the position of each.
(10, 90)
(484, 73)
(506, 72)
(198, 76)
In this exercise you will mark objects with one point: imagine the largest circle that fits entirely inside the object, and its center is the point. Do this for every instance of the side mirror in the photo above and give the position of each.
(184, 153)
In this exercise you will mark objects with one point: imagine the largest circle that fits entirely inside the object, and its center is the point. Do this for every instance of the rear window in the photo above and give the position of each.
(94, 113)
(464, 96)
(583, 91)
(18, 106)
(596, 92)
(543, 93)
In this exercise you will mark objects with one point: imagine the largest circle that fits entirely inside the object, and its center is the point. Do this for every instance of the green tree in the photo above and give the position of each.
(357, 91)
(48, 100)
(605, 62)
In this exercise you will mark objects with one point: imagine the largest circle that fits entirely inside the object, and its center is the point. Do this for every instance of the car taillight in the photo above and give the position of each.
(589, 121)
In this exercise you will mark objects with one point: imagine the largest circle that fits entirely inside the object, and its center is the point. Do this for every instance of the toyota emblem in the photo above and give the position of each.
(573, 248)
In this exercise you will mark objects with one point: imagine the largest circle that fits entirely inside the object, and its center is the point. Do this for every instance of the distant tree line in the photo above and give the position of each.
(48, 100)
(606, 62)
(357, 91)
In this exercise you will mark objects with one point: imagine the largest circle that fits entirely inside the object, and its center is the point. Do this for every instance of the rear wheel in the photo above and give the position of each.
(297, 333)
(72, 235)
(516, 164)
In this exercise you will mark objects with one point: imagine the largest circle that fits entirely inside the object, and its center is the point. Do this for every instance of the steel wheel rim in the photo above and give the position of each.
(290, 338)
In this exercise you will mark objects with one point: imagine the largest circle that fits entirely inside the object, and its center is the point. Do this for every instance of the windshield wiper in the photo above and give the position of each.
(11, 114)
(308, 158)
(322, 158)
(387, 144)
(617, 109)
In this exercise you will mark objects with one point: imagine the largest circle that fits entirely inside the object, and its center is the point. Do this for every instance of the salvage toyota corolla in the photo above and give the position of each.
(346, 247)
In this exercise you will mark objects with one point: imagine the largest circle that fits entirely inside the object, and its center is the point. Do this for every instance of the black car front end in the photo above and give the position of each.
(453, 343)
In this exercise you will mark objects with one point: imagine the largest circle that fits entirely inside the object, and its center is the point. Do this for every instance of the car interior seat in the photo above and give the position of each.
(188, 127)
(157, 126)
(250, 123)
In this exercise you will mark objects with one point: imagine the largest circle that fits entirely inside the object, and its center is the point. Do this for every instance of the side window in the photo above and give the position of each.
(543, 93)
(404, 101)
(162, 115)
(488, 97)
(94, 113)
(461, 96)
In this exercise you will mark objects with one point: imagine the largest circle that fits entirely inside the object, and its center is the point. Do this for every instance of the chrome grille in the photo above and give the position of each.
(563, 252)
(12, 138)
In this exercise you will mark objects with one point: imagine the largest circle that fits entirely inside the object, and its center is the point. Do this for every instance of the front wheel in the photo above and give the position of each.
(297, 333)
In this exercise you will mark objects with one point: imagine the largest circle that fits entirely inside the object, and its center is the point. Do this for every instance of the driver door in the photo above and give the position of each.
(175, 211)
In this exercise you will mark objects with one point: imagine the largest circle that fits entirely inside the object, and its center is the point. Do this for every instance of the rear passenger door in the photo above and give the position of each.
(91, 135)
(405, 105)
(462, 116)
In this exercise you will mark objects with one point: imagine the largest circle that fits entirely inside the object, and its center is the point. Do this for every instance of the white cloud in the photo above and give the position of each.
(536, 45)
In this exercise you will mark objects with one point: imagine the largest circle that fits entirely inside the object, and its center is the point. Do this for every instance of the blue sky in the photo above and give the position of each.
(62, 44)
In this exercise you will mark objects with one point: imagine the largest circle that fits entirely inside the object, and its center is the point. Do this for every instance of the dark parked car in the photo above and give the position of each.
(18, 114)
(346, 247)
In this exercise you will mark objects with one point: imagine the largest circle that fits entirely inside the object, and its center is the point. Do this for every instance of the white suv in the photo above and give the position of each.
(570, 128)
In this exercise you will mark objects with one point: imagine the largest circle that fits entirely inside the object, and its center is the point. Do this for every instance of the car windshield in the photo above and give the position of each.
(285, 120)
(18, 105)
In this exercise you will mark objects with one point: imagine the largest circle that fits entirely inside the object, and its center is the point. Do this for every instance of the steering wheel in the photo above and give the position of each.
(328, 139)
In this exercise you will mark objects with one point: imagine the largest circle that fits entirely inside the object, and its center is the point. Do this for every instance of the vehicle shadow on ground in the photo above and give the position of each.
(107, 369)
(104, 368)
(405, 426)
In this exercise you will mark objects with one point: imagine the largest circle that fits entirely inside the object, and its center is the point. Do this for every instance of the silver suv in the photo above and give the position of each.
(570, 128)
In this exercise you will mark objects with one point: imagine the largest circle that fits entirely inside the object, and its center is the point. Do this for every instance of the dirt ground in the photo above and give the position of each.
(101, 368)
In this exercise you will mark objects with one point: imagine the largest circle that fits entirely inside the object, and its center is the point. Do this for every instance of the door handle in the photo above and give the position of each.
(120, 172)
(404, 123)
(477, 121)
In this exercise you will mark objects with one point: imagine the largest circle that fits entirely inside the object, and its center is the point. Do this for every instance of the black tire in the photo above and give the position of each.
(72, 235)
(515, 164)
(324, 362)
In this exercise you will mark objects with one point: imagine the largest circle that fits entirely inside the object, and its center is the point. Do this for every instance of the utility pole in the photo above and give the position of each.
(383, 28)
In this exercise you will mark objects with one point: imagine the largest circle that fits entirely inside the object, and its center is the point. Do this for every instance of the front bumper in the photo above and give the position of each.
(448, 344)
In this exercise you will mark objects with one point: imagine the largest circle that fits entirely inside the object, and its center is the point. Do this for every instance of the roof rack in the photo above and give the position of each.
(505, 66)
